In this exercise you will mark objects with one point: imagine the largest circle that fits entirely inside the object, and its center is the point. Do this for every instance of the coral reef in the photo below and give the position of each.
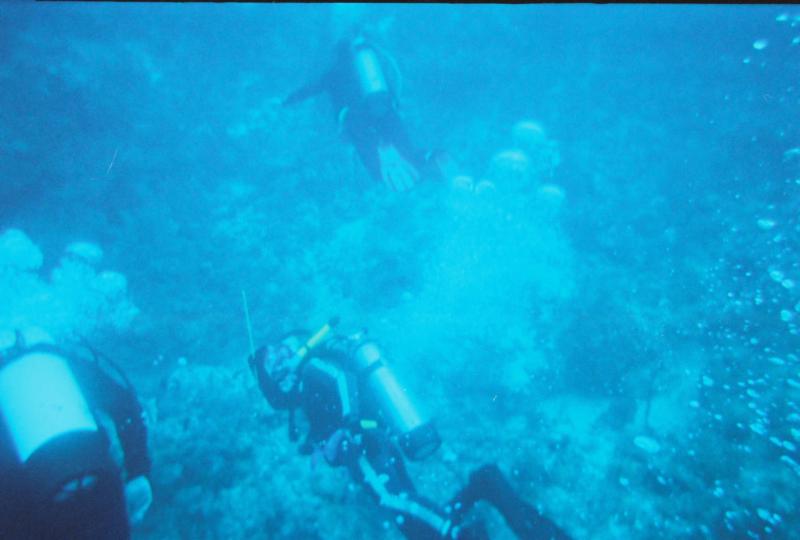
(76, 300)
(602, 298)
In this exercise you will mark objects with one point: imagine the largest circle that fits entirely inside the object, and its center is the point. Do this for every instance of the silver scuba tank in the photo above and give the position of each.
(64, 463)
(61, 451)
(41, 400)
(417, 435)
(369, 72)
(372, 83)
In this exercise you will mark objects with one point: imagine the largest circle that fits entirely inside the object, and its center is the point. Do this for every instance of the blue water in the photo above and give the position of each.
(618, 329)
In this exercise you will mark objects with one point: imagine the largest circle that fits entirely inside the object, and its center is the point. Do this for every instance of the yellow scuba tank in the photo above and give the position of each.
(417, 435)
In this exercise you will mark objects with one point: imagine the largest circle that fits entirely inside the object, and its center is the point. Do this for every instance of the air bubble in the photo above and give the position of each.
(765, 224)
(647, 444)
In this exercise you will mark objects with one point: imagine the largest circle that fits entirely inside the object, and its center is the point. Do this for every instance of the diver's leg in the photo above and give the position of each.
(393, 131)
(371, 160)
(365, 140)
(435, 164)
(489, 484)
(382, 471)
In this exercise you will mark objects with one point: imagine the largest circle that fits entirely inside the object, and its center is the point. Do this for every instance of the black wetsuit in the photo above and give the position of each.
(329, 397)
(27, 510)
(366, 126)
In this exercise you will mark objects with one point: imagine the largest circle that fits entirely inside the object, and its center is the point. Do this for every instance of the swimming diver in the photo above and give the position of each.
(366, 108)
(358, 416)
(73, 445)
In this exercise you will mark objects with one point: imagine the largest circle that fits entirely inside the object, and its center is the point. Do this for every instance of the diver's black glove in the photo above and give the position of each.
(342, 447)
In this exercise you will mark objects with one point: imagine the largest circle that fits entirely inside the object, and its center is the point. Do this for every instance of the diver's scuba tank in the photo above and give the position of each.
(417, 435)
(372, 83)
(65, 468)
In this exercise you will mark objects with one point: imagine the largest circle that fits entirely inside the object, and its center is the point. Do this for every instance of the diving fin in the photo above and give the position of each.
(396, 171)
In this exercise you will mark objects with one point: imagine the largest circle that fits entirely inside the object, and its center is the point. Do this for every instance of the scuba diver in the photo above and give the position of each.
(358, 416)
(73, 445)
(366, 108)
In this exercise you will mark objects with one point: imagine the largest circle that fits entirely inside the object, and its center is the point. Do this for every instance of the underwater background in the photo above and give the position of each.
(608, 309)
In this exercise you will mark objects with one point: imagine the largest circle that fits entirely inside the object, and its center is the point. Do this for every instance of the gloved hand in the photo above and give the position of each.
(342, 447)
(138, 497)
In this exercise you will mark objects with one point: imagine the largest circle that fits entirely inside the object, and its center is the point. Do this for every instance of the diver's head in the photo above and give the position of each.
(280, 364)
(276, 367)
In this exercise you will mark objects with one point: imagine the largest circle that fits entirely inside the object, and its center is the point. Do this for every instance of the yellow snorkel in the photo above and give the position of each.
(316, 339)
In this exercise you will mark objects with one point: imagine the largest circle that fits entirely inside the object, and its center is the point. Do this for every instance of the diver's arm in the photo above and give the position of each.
(307, 91)
(122, 406)
(132, 434)
(380, 468)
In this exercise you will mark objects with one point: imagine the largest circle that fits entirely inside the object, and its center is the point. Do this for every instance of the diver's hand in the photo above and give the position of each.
(341, 447)
(138, 497)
